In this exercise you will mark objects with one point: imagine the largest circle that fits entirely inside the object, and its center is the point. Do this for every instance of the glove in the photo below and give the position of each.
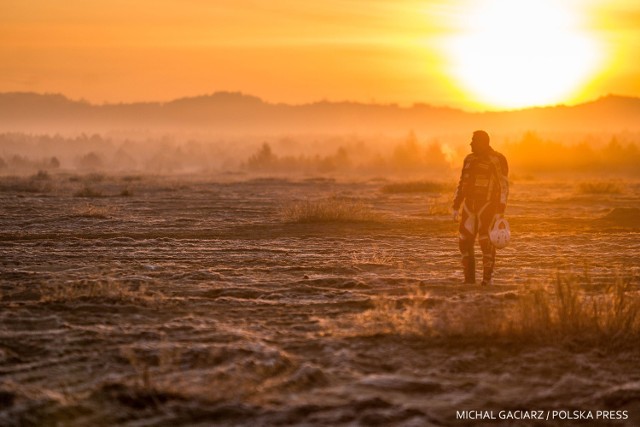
(455, 215)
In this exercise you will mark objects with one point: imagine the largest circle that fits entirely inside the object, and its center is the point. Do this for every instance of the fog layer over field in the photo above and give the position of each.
(529, 154)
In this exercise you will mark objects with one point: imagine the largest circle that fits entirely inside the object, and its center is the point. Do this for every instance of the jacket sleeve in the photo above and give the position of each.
(502, 170)
(458, 197)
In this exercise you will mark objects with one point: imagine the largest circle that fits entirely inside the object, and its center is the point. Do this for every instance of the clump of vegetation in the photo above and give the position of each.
(88, 192)
(93, 178)
(126, 192)
(570, 313)
(564, 313)
(39, 183)
(148, 366)
(388, 316)
(42, 175)
(415, 187)
(374, 257)
(333, 209)
(93, 211)
(600, 188)
(439, 205)
(103, 290)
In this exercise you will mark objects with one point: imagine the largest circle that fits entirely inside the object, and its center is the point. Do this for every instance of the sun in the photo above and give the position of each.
(515, 54)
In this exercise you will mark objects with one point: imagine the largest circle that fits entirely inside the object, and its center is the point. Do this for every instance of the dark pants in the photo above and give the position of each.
(476, 220)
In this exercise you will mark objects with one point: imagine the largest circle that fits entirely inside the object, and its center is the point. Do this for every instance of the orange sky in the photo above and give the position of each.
(293, 51)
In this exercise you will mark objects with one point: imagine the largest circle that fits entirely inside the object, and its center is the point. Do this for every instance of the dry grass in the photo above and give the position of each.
(333, 209)
(389, 316)
(93, 211)
(374, 256)
(600, 188)
(88, 192)
(563, 313)
(415, 187)
(111, 291)
(570, 313)
(126, 192)
(41, 175)
(38, 183)
(440, 205)
(167, 360)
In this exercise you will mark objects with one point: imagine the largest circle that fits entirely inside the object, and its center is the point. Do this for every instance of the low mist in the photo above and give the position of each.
(349, 156)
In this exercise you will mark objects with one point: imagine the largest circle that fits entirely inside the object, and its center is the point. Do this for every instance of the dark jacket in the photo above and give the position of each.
(484, 179)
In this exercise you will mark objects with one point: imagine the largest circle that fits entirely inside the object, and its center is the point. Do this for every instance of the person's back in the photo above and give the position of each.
(482, 193)
(481, 179)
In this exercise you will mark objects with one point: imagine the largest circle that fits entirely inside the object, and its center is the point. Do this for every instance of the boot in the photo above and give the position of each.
(487, 275)
(469, 266)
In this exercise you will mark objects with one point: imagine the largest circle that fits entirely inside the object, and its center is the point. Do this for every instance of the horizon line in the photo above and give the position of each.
(321, 101)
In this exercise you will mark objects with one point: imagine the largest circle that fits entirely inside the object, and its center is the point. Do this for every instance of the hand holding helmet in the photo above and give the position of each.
(500, 233)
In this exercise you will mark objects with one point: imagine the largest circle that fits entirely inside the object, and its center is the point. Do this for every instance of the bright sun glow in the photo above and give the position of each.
(513, 54)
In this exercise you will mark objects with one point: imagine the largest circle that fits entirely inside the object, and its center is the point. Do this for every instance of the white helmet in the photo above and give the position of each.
(500, 233)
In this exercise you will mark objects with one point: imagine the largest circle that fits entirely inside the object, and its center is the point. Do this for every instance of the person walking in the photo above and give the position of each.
(482, 194)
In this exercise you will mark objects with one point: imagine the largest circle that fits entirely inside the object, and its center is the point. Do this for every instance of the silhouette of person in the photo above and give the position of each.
(482, 193)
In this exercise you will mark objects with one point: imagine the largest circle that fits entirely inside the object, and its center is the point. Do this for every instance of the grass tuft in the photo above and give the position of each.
(600, 188)
(88, 192)
(373, 257)
(333, 209)
(103, 290)
(415, 187)
(389, 316)
(93, 211)
(440, 205)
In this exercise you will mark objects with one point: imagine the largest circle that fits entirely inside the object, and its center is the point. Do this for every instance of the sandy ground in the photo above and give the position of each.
(192, 301)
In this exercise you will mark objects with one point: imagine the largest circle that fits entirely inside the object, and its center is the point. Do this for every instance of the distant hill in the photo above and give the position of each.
(235, 112)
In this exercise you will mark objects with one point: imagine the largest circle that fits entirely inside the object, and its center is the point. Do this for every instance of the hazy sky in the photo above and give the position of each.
(463, 53)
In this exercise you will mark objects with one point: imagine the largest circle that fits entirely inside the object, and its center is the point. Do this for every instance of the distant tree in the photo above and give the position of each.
(408, 154)
(435, 157)
(264, 159)
(90, 160)
(342, 158)
(19, 162)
